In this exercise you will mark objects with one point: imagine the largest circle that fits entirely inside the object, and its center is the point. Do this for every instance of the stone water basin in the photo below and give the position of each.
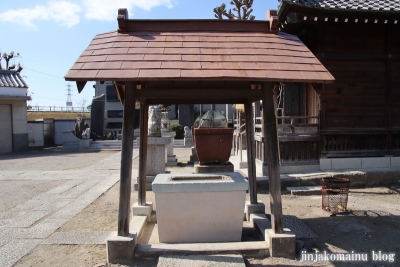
(200, 208)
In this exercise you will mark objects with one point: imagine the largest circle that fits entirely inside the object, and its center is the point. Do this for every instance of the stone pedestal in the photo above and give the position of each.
(193, 157)
(171, 159)
(258, 208)
(188, 142)
(155, 163)
(282, 245)
(120, 249)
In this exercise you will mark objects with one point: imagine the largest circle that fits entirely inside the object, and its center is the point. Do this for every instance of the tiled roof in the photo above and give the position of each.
(182, 54)
(351, 5)
(10, 78)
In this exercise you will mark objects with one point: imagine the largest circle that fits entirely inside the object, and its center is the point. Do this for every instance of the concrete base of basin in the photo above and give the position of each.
(213, 167)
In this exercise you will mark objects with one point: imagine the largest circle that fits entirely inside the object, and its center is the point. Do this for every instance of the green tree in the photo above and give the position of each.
(242, 8)
(7, 57)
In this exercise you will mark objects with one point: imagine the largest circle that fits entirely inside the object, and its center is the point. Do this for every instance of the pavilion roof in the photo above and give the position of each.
(181, 50)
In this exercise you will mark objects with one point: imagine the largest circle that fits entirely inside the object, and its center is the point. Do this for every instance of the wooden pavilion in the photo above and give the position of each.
(359, 43)
(197, 61)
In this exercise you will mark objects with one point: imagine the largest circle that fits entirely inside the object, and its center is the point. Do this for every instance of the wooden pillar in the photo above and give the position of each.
(272, 157)
(144, 114)
(251, 156)
(126, 160)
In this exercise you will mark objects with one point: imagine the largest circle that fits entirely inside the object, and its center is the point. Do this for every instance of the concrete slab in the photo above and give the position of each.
(43, 229)
(395, 161)
(201, 260)
(78, 238)
(8, 234)
(27, 219)
(11, 252)
(375, 162)
(325, 164)
(304, 190)
(346, 163)
(258, 248)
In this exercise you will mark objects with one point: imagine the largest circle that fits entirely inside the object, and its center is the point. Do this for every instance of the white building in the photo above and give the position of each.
(13, 120)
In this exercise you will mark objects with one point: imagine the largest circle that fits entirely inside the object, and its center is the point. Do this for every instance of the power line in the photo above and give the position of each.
(43, 73)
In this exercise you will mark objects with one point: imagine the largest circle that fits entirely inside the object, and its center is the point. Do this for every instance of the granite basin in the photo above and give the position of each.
(200, 208)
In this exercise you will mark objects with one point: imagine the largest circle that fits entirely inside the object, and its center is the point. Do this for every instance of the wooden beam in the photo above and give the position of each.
(144, 114)
(251, 155)
(272, 155)
(126, 161)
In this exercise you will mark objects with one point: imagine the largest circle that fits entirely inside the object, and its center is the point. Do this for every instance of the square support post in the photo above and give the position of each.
(144, 114)
(126, 160)
(251, 155)
(271, 152)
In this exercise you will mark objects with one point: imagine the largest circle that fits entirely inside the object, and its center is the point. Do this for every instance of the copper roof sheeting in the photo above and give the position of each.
(9, 78)
(193, 50)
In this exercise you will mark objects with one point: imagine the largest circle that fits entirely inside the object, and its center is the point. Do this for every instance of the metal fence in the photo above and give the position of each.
(58, 109)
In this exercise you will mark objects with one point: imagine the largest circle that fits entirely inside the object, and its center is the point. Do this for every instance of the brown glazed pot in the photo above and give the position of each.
(213, 144)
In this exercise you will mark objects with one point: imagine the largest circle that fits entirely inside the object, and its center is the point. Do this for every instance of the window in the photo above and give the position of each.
(111, 94)
(115, 114)
(114, 125)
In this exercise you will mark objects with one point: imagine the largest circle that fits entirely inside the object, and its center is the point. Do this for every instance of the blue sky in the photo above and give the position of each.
(51, 34)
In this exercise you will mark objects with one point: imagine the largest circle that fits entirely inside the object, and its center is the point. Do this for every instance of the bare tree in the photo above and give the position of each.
(7, 57)
(82, 102)
(242, 8)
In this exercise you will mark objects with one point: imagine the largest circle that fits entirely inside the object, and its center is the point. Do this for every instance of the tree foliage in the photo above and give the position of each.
(10, 66)
(242, 10)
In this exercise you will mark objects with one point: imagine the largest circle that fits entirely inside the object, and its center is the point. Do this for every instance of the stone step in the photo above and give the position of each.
(305, 190)
(201, 260)
(255, 248)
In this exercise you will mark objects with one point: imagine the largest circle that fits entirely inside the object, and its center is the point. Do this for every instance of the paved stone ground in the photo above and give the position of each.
(51, 199)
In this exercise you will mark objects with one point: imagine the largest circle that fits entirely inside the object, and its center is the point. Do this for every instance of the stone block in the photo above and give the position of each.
(171, 161)
(120, 249)
(282, 245)
(395, 162)
(325, 164)
(212, 168)
(346, 163)
(138, 210)
(137, 226)
(85, 143)
(376, 162)
(258, 208)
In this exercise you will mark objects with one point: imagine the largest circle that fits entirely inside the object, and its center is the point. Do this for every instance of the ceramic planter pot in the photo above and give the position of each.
(213, 144)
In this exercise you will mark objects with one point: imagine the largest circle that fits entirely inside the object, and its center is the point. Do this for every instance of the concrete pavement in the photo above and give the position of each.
(35, 220)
